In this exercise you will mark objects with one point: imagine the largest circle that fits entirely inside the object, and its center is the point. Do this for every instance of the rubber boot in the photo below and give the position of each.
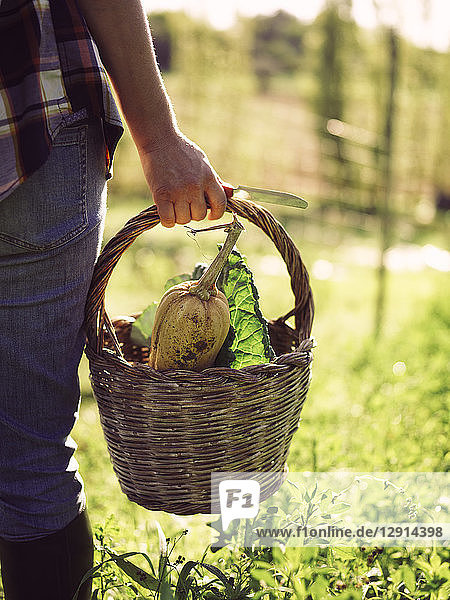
(50, 568)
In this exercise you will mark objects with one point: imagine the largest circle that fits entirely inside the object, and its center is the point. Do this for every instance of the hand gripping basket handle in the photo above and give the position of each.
(303, 310)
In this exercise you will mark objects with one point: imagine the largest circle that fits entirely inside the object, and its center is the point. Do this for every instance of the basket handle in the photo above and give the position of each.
(303, 310)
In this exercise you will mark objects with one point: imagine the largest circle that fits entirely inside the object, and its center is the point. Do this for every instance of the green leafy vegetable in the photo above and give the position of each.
(176, 280)
(251, 344)
(141, 329)
(226, 356)
(198, 271)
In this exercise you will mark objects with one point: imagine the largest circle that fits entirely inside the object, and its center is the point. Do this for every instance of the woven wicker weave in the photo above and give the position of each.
(167, 432)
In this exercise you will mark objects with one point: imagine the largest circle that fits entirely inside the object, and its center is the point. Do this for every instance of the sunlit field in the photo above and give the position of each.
(379, 394)
(374, 404)
(363, 412)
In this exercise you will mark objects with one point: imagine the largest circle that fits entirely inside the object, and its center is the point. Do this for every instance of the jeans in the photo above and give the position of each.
(50, 234)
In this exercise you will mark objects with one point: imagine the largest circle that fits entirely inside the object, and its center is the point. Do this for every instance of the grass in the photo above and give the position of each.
(361, 414)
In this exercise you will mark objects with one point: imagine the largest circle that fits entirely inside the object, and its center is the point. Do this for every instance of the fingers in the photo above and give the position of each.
(198, 205)
(182, 212)
(180, 206)
(217, 200)
(185, 204)
(166, 212)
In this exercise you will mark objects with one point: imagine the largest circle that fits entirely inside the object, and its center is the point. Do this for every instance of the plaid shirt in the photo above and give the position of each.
(49, 69)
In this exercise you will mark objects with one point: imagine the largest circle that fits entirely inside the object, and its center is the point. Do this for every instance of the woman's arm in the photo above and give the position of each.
(177, 171)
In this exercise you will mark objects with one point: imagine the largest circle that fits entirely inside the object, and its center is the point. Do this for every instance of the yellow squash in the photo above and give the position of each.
(188, 332)
(192, 319)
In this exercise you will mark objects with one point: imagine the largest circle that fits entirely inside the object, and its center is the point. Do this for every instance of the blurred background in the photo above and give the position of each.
(348, 105)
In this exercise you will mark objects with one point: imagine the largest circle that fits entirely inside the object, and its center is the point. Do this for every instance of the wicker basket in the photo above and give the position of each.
(167, 432)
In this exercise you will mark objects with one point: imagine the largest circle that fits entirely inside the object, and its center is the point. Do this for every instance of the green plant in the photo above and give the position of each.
(172, 579)
(277, 573)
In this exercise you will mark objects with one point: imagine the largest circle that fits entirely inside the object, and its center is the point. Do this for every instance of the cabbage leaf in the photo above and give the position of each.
(251, 343)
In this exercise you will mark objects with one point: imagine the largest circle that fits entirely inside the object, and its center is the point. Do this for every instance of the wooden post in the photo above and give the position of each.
(386, 216)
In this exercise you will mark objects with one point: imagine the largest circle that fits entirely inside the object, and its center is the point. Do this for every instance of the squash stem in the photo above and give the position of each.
(207, 282)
